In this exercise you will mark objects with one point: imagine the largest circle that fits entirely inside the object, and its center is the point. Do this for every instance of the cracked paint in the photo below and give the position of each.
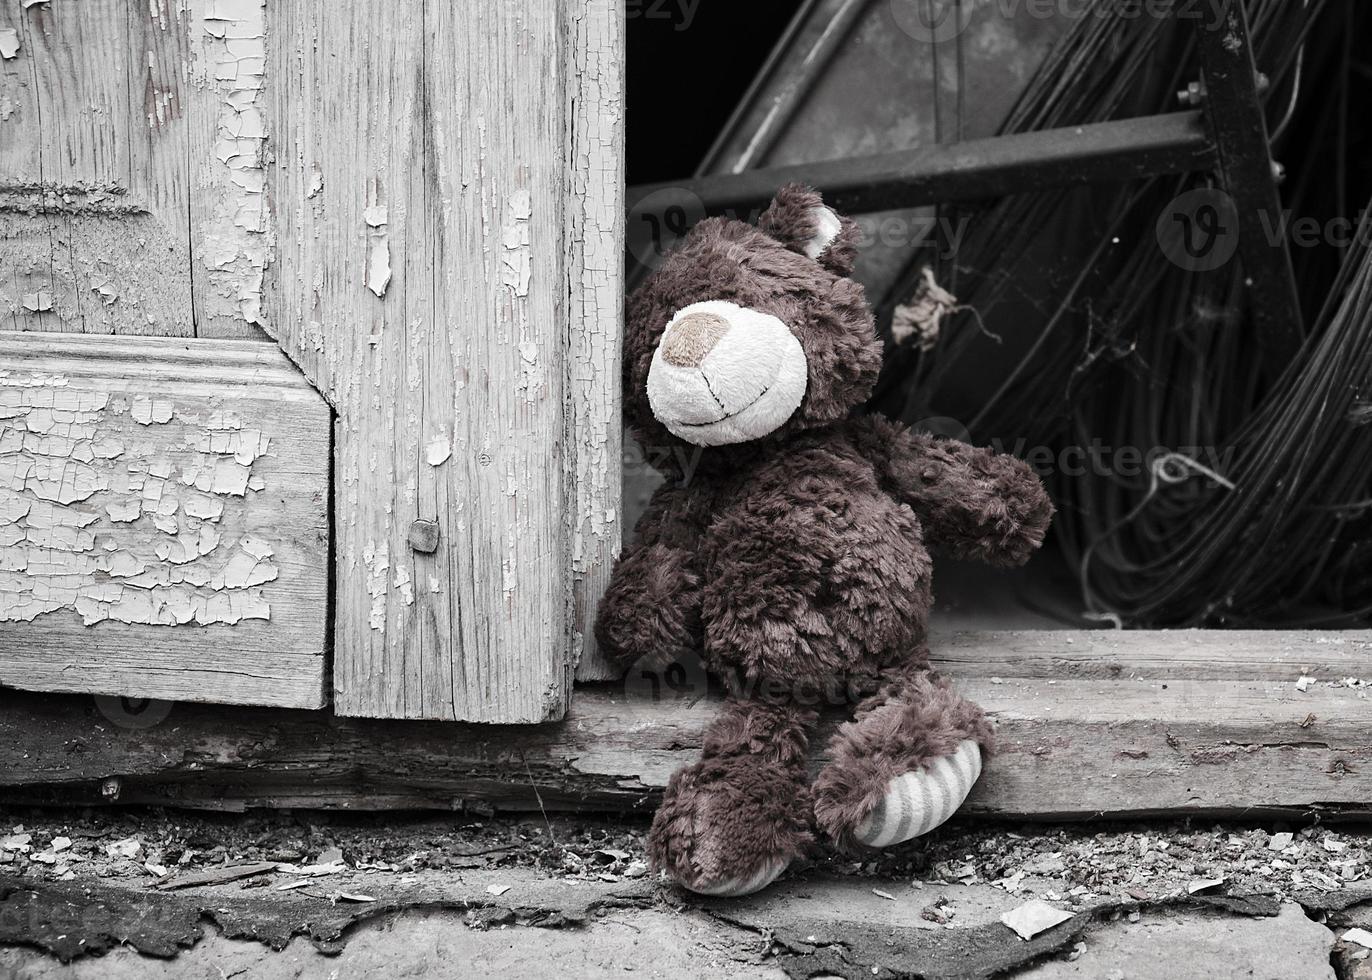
(518, 261)
(237, 236)
(377, 566)
(115, 509)
(376, 216)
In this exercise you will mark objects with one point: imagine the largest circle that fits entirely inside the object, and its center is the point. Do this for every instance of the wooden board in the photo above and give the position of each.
(1179, 723)
(131, 167)
(163, 520)
(596, 195)
(447, 192)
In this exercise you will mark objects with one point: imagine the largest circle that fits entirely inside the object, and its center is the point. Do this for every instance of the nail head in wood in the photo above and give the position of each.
(424, 536)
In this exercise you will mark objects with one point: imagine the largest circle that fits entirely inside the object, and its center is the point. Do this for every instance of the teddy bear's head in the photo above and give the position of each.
(747, 332)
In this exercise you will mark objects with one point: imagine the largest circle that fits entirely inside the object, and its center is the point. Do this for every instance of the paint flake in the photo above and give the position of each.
(39, 302)
(9, 43)
(438, 451)
(71, 497)
(379, 268)
(517, 263)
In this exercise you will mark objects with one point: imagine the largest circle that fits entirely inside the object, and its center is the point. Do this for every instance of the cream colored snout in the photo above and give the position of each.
(725, 374)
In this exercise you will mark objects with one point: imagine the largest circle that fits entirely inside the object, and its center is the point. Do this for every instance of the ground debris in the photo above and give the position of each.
(1034, 917)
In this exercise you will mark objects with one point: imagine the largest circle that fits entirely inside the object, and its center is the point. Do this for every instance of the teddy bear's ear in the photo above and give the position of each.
(800, 220)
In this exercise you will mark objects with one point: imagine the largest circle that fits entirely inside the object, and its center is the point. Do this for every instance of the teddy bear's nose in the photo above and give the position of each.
(692, 337)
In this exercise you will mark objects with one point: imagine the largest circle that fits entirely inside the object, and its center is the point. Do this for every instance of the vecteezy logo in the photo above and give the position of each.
(138, 714)
(659, 220)
(931, 21)
(1199, 231)
(943, 427)
(678, 678)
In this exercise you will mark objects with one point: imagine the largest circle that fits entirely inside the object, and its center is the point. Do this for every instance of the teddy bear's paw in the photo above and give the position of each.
(739, 885)
(917, 802)
(728, 827)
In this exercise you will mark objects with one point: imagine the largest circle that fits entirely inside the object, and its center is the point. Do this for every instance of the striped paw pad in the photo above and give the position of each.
(917, 802)
(746, 884)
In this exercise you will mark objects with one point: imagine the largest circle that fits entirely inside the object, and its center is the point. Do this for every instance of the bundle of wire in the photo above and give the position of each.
(1254, 488)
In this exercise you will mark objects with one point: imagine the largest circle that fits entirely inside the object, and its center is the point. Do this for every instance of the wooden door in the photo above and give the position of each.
(360, 265)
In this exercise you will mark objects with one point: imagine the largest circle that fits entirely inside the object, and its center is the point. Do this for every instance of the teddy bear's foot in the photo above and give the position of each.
(917, 802)
(740, 886)
(734, 821)
(904, 765)
(728, 828)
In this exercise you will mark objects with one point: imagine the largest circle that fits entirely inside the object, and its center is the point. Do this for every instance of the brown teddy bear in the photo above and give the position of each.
(796, 559)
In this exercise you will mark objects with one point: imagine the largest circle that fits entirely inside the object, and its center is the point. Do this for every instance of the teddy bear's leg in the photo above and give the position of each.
(732, 822)
(905, 763)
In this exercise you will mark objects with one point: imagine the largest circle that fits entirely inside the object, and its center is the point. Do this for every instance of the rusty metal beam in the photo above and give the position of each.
(977, 169)
(1235, 114)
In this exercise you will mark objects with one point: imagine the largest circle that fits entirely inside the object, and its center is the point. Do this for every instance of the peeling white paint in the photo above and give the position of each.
(39, 302)
(104, 520)
(237, 237)
(379, 268)
(518, 261)
(377, 566)
(438, 451)
(9, 43)
(404, 584)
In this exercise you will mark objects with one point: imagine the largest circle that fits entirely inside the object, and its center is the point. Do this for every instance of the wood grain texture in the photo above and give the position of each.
(163, 520)
(129, 203)
(1211, 724)
(431, 281)
(595, 195)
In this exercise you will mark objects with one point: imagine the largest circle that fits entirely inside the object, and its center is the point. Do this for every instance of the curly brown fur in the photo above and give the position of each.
(916, 718)
(791, 220)
(799, 558)
(728, 260)
(972, 503)
(743, 804)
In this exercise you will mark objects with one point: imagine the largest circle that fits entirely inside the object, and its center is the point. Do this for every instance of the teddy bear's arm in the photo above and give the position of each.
(651, 608)
(972, 503)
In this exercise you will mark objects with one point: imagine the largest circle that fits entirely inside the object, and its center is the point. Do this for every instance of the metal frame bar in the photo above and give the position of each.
(977, 169)
(1234, 110)
(1229, 137)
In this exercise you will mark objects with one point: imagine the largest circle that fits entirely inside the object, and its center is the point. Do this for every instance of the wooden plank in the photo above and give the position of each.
(93, 190)
(596, 278)
(226, 140)
(163, 520)
(422, 183)
(131, 168)
(1198, 724)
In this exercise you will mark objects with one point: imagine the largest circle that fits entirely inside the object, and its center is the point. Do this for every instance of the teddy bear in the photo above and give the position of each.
(796, 559)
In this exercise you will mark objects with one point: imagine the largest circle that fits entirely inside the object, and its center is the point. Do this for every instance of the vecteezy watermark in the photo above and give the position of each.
(681, 13)
(1199, 230)
(942, 232)
(677, 462)
(659, 220)
(939, 21)
(135, 714)
(677, 676)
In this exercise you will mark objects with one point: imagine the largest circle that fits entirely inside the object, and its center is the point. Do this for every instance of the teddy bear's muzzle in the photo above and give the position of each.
(725, 374)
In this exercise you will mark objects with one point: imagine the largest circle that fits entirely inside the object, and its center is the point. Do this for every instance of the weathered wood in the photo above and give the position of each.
(163, 520)
(93, 193)
(131, 147)
(1209, 724)
(437, 225)
(595, 128)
